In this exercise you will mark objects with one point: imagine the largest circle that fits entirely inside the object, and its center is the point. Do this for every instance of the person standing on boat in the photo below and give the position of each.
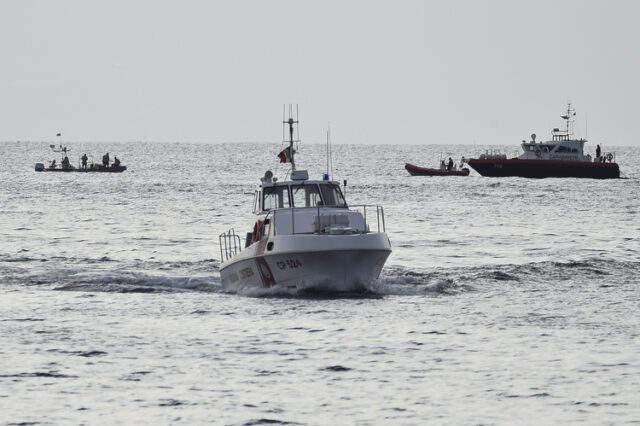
(84, 161)
(598, 152)
(65, 162)
(105, 160)
(450, 165)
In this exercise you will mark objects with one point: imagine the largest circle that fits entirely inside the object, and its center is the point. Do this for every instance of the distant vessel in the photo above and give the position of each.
(83, 165)
(562, 156)
(305, 236)
(442, 171)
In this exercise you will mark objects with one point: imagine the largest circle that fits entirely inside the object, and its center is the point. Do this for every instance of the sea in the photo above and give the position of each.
(504, 301)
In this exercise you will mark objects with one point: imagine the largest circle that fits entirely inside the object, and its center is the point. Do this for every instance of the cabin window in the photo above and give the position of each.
(276, 197)
(332, 195)
(563, 149)
(306, 195)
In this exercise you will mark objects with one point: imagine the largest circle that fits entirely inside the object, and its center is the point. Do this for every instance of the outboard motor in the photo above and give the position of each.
(39, 167)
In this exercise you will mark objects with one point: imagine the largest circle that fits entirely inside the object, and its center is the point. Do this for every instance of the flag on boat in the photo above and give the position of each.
(59, 134)
(285, 155)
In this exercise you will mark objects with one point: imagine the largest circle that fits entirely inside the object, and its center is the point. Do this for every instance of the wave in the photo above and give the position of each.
(139, 283)
(105, 274)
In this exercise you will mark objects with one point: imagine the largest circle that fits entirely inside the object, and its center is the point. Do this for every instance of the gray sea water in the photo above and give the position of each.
(505, 300)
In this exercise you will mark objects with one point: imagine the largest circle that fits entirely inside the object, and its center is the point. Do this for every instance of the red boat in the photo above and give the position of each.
(424, 171)
(562, 156)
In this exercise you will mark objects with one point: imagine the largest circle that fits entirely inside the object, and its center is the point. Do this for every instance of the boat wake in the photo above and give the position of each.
(398, 286)
(137, 276)
(138, 283)
(109, 275)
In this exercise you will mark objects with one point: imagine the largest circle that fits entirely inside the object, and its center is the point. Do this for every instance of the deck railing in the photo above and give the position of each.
(230, 244)
(365, 209)
(606, 157)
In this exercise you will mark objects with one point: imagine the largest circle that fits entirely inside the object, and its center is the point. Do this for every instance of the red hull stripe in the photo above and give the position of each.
(265, 272)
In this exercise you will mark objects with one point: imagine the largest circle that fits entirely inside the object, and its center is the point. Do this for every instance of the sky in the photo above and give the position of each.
(381, 72)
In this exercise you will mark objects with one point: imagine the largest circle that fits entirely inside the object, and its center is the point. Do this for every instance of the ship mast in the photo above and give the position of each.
(291, 121)
(569, 119)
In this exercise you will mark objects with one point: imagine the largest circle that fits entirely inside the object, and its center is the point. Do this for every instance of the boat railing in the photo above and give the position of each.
(379, 215)
(606, 157)
(370, 214)
(230, 244)
(492, 154)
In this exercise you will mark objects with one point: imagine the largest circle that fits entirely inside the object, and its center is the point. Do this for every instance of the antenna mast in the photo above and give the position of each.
(328, 148)
(586, 126)
(291, 121)
(569, 119)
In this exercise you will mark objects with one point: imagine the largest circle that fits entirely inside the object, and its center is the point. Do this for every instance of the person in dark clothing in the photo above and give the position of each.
(105, 160)
(450, 165)
(84, 161)
(116, 162)
(65, 162)
(598, 151)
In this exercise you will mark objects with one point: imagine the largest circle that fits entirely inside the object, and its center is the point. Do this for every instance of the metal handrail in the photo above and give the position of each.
(271, 216)
(605, 159)
(230, 244)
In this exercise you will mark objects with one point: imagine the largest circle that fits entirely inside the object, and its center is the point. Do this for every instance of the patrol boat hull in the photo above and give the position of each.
(544, 168)
(325, 263)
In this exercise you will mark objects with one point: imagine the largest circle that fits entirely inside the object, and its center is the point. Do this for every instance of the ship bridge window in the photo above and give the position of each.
(563, 149)
(276, 197)
(332, 195)
(307, 195)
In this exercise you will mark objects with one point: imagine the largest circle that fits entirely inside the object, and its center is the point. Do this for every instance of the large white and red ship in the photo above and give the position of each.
(562, 156)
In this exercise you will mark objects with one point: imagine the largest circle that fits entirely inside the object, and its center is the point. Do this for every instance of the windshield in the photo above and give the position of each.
(332, 195)
(306, 195)
(276, 197)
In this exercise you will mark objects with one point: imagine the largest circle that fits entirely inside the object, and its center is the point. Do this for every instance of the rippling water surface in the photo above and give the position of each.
(504, 301)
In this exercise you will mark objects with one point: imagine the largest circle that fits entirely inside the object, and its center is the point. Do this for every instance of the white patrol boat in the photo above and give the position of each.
(562, 156)
(305, 237)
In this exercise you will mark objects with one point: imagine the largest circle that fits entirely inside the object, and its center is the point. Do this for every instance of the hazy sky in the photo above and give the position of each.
(381, 72)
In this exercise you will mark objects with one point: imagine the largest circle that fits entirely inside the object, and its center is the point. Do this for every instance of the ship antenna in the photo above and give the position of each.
(291, 121)
(586, 126)
(329, 153)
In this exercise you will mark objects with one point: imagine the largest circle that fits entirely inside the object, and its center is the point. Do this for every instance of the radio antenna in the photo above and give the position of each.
(586, 125)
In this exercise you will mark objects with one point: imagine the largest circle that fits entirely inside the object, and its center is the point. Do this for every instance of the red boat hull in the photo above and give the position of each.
(545, 168)
(423, 171)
